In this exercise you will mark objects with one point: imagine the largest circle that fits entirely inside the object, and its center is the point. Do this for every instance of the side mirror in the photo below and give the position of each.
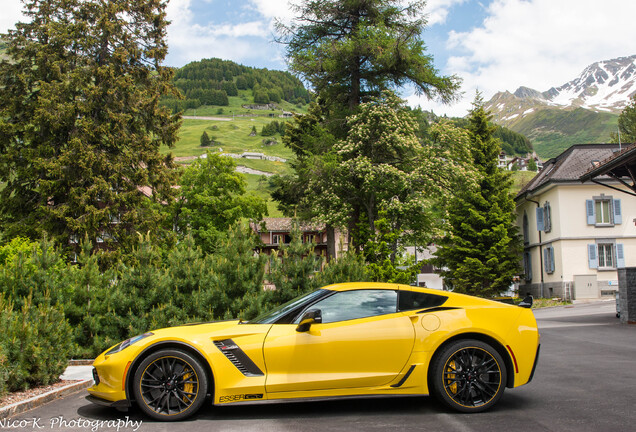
(527, 302)
(312, 316)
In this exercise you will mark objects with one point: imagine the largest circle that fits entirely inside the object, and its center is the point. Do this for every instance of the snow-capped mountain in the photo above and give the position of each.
(604, 86)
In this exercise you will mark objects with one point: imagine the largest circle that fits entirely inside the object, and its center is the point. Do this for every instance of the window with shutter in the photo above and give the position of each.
(603, 211)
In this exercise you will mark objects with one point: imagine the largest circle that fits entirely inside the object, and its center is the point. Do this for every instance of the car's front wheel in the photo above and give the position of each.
(170, 385)
(468, 375)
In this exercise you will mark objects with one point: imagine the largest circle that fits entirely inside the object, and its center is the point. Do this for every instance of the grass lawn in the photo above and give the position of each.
(231, 136)
(520, 179)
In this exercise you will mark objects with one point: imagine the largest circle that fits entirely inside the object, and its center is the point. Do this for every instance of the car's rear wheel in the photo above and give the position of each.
(468, 375)
(170, 385)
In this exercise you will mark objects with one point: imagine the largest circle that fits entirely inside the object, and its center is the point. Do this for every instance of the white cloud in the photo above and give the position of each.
(274, 8)
(536, 43)
(11, 14)
(189, 41)
(438, 10)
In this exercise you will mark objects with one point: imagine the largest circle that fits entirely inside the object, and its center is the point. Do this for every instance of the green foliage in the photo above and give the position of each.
(212, 198)
(32, 270)
(512, 143)
(627, 123)
(212, 81)
(385, 258)
(292, 269)
(480, 251)
(205, 139)
(80, 121)
(383, 166)
(239, 288)
(4, 367)
(37, 342)
(349, 267)
(274, 128)
(352, 50)
(532, 165)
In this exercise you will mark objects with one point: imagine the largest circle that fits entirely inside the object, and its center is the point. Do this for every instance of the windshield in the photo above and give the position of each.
(280, 311)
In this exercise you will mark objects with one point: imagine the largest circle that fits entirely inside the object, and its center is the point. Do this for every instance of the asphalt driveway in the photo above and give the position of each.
(584, 382)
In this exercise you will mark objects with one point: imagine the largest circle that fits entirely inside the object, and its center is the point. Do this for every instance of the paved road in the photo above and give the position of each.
(585, 381)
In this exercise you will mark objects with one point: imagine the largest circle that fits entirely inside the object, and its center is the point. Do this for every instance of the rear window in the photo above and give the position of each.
(410, 300)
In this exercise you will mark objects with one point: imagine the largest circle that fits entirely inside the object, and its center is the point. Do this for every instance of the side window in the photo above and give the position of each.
(348, 305)
(410, 300)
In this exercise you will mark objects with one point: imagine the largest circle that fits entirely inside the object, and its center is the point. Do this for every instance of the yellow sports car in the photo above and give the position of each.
(343, 340)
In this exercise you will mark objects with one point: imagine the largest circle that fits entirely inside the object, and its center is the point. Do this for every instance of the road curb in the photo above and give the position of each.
(36, 401)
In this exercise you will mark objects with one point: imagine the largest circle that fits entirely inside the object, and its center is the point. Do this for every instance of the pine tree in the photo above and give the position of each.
(80, 121)
(238, 292)
(293, 269)
(205, 139)
(480, 252)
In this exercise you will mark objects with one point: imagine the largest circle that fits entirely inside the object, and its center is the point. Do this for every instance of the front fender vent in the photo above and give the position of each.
(238, 357)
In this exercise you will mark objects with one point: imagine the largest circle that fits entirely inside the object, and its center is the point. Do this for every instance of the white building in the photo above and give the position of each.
(575, 234)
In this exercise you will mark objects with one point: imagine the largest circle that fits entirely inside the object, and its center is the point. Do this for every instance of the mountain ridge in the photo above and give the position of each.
(585, 109)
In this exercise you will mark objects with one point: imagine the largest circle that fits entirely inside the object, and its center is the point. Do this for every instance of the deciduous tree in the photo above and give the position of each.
(212, 198)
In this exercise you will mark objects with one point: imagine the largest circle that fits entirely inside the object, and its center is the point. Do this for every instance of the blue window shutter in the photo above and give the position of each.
(618, 218)
(552, 266)
(529, 271)
(620, 255)
(546, 260)
(547, 217)
(592, 256)
(540, 226)
(589, 206)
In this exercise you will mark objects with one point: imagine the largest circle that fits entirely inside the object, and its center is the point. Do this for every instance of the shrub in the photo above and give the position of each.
(38, 342)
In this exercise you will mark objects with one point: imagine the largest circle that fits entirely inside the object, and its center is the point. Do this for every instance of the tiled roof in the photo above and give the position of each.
(285, 225)
(627, 154)
(570, 165)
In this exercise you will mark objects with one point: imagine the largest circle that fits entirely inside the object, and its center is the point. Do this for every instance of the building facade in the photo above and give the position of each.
(576, 235)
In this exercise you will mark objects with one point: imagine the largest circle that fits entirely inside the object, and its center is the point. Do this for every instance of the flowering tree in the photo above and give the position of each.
(382, 166)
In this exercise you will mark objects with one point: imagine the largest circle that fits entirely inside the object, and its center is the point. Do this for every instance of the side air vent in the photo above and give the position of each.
(238, 357)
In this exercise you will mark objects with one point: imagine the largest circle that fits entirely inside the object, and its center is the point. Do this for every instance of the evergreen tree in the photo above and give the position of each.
(292, 269)
(480, 252)
(532, 165)
(80, 120)
(350, 50)
(205, 139)
(238, 292)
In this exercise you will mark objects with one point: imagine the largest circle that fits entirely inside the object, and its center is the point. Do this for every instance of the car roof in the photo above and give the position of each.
(348, 286)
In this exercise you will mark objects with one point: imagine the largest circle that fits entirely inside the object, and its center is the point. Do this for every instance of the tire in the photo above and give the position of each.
(468, 376)
(170, 385)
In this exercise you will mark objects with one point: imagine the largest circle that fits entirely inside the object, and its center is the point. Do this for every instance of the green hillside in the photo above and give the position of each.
(553, 130)
(213, 82)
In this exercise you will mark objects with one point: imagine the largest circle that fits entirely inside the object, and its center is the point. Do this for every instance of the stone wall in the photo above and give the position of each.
(627, 292)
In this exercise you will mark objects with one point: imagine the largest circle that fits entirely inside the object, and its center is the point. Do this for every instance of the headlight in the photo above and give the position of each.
(125, 344)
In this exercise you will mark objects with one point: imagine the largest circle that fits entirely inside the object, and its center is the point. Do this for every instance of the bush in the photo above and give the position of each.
(4, 371)
(38, 342)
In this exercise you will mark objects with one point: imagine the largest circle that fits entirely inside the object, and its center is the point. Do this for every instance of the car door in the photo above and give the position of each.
(362, 342)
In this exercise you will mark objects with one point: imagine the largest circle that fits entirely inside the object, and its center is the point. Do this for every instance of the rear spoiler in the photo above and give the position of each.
(526, 302)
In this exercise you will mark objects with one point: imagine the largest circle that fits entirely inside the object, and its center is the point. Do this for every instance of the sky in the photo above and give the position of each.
(492, 45)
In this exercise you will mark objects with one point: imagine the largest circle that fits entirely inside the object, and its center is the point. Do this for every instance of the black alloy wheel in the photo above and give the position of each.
(468, 376)
(170, 385)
